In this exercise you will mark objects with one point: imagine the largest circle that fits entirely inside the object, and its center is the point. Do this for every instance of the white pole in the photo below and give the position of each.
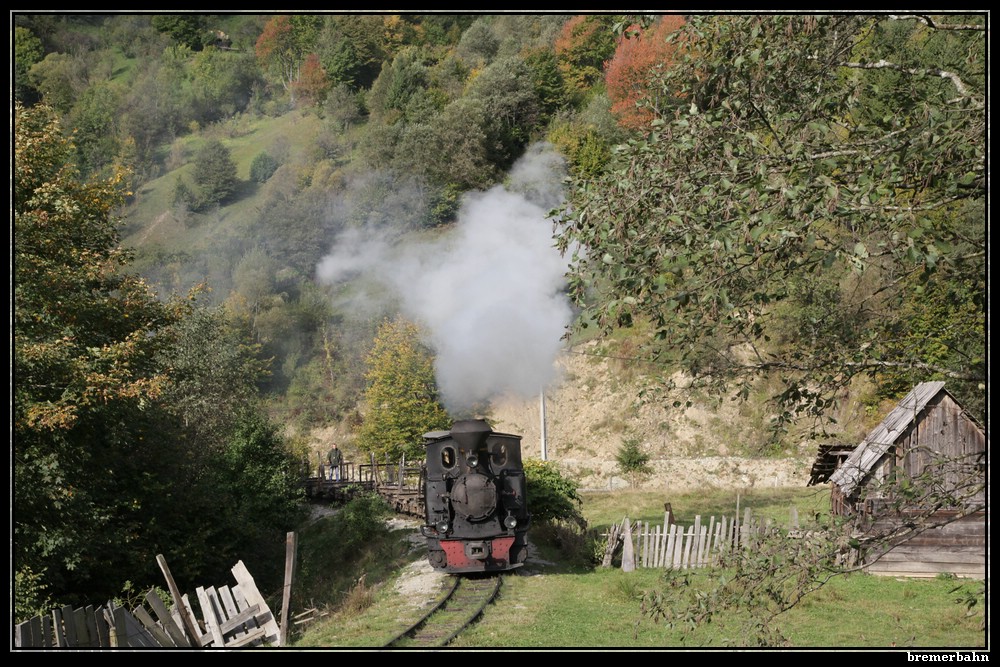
(541, 397)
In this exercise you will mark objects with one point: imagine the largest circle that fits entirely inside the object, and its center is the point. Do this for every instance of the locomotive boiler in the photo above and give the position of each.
(474, 499)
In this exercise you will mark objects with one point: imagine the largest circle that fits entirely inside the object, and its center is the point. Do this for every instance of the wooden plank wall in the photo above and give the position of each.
(958, 548)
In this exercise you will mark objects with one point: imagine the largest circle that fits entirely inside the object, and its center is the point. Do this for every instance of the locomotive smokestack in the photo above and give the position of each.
(470, 433)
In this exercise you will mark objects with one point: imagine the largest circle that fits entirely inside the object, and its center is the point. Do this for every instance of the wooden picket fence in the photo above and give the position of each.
(676, 547)
(230, 618)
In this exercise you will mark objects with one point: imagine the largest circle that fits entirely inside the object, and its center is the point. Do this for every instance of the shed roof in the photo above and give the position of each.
(882, 437)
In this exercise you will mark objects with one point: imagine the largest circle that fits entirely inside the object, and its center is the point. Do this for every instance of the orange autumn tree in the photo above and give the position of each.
(629, 73)
(313, 83)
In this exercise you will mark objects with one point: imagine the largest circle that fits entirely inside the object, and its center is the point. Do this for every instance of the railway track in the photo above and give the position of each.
(462, 605)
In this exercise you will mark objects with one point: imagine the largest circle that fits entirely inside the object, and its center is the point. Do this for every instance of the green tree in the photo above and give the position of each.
(764, 181)
(452, 147)
(262, 481)
(352, 49)
(94, 120)
(60, 78)
(401, 395)
(151, 111)
(184, 29)
(28, 50)
(262, 167)
(216, 369)
(283, 45)
(584, 44)
(398, 81)
(222, 83)
(510, 103)
(87, 336)
(214, 173)
(479, 44)
(632, 460)
(549, 87)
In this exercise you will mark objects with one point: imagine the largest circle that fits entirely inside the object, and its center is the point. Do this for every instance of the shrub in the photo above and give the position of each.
(262, 167)
(551, 497)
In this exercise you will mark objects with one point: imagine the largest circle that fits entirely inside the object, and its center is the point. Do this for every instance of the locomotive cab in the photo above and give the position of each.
(474, 497)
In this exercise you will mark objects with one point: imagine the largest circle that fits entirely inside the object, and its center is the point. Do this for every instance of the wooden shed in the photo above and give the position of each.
(919, 478)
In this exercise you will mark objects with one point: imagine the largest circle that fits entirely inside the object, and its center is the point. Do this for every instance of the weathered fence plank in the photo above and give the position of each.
(162, 638)
(167, 620)
(210, 617)
(249, 589)
(628, 552)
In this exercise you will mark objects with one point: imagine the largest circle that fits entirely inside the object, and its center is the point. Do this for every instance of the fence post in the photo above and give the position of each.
(291, 548)
(628, 551)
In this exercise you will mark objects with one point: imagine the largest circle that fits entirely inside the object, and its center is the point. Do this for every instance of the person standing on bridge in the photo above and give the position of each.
(335, 458)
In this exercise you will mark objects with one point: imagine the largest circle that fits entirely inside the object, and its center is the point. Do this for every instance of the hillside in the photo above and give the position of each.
(593, 410)
(595, 406)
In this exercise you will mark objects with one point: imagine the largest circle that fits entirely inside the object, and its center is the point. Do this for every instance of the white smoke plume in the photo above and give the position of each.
(489, 294)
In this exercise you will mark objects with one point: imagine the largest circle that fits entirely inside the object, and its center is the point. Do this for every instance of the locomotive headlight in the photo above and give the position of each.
(510, 522)
(473, 460)
(442, 527)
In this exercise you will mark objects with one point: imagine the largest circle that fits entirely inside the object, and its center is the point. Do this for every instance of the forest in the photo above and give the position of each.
(230, 229)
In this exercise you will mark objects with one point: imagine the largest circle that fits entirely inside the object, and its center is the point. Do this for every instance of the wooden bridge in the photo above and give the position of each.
(399, 483)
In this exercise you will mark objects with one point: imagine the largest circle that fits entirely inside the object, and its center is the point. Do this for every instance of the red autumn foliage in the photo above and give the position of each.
(629, 73)
(313, 82)
(273, 38)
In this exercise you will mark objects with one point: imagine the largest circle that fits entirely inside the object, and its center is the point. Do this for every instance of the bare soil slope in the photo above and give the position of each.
(596, 407)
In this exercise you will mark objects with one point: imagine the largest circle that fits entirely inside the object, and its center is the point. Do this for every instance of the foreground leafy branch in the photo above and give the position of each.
(774, 573)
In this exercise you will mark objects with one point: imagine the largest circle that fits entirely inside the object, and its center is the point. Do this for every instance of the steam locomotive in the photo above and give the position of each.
(474, 499)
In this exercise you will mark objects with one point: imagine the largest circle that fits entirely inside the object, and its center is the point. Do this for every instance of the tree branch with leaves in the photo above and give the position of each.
(786, 192)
